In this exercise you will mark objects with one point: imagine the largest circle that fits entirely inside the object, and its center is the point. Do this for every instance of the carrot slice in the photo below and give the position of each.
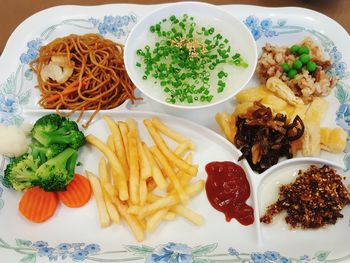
(78, 192)
(37, 205)
(68, 90)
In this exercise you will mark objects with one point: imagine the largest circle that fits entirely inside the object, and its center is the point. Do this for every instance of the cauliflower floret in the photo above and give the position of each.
(26, 128)
(13, 141)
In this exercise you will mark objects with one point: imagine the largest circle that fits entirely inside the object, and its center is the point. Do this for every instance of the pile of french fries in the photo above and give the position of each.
(144, 185)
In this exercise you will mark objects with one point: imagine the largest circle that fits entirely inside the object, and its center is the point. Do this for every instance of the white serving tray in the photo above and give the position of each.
(74, 235)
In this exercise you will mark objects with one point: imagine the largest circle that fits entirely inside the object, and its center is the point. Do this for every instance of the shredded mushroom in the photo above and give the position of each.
(264, 138)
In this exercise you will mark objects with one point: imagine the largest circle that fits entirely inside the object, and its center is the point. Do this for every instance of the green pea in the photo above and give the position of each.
(304, 58)
(297, 64)
(285, 67)
(311, 66)
(294, 48)
(303, 50)
(292, 73)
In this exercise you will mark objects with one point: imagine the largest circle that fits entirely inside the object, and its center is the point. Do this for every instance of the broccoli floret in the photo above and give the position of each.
(56, 173)
(75, 139)
(58, 132)
(69, 125)
(20, 173)
(47, 123)
(46, 153)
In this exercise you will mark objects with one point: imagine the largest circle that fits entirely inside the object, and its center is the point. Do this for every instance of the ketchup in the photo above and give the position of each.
(227, 190)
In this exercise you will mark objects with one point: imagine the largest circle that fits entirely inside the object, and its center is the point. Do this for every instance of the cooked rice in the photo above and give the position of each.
(305, 85)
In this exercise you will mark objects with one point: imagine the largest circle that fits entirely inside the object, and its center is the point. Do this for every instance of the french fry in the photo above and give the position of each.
(103, 215)
(151, 184)
(145, 165)
(195, 188)
(156, 172)
(142, 223)
(170, 200)
(172, 157)
(171, 174)
(110, 143)
(134, 209)
(151, 198)
(111, 209)
(188, 214)
(123, 127)
(170, 216)
(105, 178)
(131, 220)
(115, 165)
(134, 170)
(117, 141)
(164, 202)
(103, 171)
(154, 220)
(184, 178)
(181, 148)
(143, 192)
(172, 134)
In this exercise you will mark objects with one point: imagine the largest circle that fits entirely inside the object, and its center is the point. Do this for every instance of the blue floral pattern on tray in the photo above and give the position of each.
(166, 253)
(12, 99)
(259, 28)
(32, 51)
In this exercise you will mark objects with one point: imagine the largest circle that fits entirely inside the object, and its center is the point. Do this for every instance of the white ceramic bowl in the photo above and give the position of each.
(233, 29)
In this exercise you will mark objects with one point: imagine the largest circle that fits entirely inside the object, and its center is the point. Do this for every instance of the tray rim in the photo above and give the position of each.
(59, 7)
(88, 7)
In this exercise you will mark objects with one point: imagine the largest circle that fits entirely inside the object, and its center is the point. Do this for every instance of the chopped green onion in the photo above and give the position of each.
(221, 74)
(209, 98)
(182, 58)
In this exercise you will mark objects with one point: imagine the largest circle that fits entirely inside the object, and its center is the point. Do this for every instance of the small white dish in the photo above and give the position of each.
(267, 193)
(207, 15)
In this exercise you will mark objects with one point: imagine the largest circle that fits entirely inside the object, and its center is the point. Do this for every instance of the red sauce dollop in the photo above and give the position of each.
(227, 190)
